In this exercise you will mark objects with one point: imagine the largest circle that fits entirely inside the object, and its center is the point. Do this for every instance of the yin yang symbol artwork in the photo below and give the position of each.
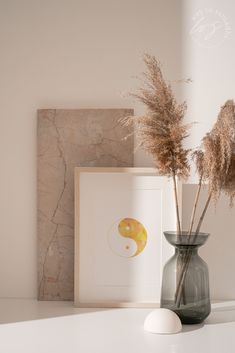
(127, 238)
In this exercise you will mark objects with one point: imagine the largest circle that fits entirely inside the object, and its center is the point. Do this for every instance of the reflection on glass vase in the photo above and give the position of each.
(185, 280)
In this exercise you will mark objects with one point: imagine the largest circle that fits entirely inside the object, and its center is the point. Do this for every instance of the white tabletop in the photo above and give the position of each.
(29, 326)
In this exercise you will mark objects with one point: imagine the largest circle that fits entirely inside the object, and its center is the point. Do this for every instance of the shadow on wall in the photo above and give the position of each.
(218, 252)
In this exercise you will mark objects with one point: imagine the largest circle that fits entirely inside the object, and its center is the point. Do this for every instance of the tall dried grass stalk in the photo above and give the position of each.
(161, 130)
(198, 158)
(216, 165)
(219, 149)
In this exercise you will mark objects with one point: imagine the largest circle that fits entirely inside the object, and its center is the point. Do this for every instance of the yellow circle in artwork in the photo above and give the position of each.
(133, 229)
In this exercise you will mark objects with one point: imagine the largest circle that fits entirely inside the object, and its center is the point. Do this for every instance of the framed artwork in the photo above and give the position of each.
(120, 250)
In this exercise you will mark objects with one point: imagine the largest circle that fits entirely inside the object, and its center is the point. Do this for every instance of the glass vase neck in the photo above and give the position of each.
(182, 250)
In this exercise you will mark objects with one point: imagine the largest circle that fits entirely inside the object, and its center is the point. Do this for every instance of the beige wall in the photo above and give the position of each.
(84, 53)
(64, 54)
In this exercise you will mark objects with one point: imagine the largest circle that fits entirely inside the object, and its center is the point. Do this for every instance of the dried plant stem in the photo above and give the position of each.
(177, 216)
(195, 207)
(203, 213)
(190, 232)
(180, 263)
(176, 205)
(180, 286)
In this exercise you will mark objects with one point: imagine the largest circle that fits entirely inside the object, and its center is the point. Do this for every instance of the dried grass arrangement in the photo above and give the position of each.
(161, 133)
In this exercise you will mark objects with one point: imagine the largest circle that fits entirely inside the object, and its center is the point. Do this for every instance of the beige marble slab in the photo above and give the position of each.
(66, 139)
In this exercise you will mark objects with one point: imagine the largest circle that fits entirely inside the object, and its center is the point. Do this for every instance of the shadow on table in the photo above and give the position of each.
(222, 312)
(17, 310)
(188, 328)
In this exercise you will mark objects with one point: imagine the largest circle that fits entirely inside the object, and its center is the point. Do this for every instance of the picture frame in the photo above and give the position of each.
(120, 250)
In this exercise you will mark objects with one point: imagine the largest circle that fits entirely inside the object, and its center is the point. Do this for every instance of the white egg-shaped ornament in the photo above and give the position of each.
(162, 321)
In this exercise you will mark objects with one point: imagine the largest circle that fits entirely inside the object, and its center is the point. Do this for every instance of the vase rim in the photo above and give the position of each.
(185, 233)
(183, 239)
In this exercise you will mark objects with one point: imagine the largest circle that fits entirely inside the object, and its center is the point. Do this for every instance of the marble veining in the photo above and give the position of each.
(67, 139)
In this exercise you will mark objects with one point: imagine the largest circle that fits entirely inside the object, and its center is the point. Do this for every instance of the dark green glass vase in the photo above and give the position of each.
(185, 279)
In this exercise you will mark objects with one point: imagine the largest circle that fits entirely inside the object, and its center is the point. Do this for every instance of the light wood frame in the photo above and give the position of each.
(78, 171)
